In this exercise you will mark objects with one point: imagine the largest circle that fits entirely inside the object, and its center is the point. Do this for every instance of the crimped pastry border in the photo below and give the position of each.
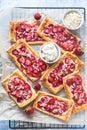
(5, 85)
(12, 31)
(18, 44)
(44, 23)
(44, 78)
(63, 117)
(69, 94)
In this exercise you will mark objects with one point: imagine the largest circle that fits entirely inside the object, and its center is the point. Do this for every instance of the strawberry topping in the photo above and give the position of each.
(19, 89)
(78, 93)
(32, 65)
(15, 52)
(52, 105)
(64, 68)
(27, 32)
(58, 33)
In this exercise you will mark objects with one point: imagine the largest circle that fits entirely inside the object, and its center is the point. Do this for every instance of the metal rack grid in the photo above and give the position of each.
(33, 125)
(24, 13)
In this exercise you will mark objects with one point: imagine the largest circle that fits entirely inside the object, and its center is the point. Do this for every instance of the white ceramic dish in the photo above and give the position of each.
(53, 53)
(73, 19)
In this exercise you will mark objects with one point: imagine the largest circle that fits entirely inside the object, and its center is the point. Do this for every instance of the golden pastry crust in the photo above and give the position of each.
(12, 31)
(69, 94)
(62, 117)
(47, 21)
(5, 84)
(17, 45)
(44, 78)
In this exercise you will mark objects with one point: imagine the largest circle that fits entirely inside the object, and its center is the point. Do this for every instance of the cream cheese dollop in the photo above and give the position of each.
(49, 52)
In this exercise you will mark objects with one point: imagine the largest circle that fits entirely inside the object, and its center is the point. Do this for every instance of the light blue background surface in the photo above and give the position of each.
(4, 125)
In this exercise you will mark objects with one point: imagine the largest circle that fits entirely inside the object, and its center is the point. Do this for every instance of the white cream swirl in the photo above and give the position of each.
(49, 52)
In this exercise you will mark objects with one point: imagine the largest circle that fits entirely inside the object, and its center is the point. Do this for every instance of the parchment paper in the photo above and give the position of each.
(8, 109)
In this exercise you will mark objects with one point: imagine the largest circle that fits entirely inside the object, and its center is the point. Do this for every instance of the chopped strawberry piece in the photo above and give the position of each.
(32, 58)
(65, 45)
(50, 25)
(60, 28)
(72, 66)
(36, 26)
(50, 79)
(20, 86)
(46, 30)
(35, 71)
(37, 86)
(13, 93)
(27, 86)
(18, 94)
(15, 52)
(35, 37)
(16, 80)
(47, 108)
(44, 99)
(69, 81)
(40, 63)
(67, 60)
(77, 79)
(29, 69)
(28, 28)
(23, 48)
(21, 59)
(54, 84)
(55, 29)
(38, 75)
(18, 28)
(51, 101)
(28, 39)
(44, 66)
(11, 87)
(27, 61)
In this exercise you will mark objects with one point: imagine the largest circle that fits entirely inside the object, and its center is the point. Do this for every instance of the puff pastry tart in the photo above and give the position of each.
(19, 89)
(55, 106)
(27, 60)
(25, 30)
(53, 77)
(75, 90)
(52, 31)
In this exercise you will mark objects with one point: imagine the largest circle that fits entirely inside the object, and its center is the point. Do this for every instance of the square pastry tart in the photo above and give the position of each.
(53, 77)
(75, 90)
(52, 31)
(25, 30)
(27, 60)
(55, 106)
(19, 89)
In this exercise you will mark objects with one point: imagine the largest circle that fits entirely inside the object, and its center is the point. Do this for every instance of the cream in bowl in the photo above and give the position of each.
(73, 20)
(50, 52)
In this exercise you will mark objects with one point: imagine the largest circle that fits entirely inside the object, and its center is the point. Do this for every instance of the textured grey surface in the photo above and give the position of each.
(37, 3)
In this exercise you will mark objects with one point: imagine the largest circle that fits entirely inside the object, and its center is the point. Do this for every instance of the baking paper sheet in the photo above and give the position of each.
(8, 109)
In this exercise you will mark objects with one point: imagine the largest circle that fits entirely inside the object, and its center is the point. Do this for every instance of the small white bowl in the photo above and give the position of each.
(45, 57)
(73, 19)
